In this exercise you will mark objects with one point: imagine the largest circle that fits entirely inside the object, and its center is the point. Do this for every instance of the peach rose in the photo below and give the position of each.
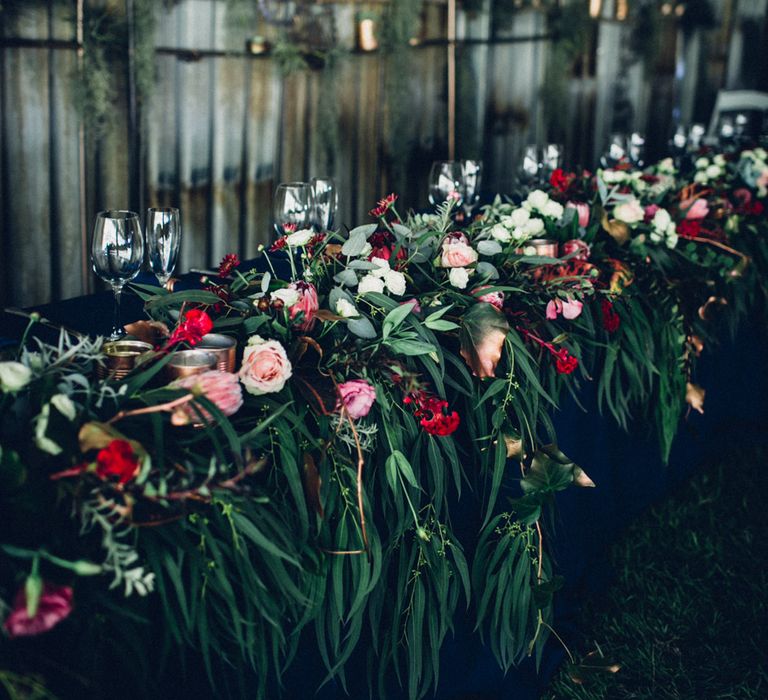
(458, 255)
(266, 368)
(221, 388)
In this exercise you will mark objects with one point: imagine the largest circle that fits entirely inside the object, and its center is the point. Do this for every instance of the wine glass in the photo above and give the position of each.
(325, 200)
(472, 173)
(163, 233)
(445, 181)
(117, 251)
(292, 207)
(617, 151)
(531, 165)
(636, 149)
(551, 158)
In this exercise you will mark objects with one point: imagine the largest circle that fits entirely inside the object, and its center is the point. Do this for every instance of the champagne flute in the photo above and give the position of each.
(163, 234)
(472, 173)
(325, 201)
(445, 181)
(531, 165)
(292, 207)
(117, 252)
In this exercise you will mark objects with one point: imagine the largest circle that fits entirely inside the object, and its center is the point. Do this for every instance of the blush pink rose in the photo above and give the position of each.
(698, 209)
(54, 606)
(266, 368)
(650, 212)
(570, 308)
(416, 307)
(578, 248)
(457, 255)
(582, 212)
(495, 299)
(308, 303)
(357, 396)
(221, 388)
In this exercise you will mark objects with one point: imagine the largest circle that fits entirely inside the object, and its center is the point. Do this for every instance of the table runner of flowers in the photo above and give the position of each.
(398, 384)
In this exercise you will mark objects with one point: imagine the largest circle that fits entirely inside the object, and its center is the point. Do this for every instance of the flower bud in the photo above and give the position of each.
(14, 376)
(86, 568)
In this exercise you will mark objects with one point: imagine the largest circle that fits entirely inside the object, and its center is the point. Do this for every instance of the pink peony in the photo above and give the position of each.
(582, 212)
(221, 388)
(357, 396)
(495, 299)
(579, 248)
(697, 209)
(457, 254)
(308, 303)
(266, 368)
(570, 308)
(54, 606)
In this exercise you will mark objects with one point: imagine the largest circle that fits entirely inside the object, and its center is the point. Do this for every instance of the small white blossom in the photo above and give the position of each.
(536, 200)
(300, 238)
(370, 283)
(519, 217)
(459, 277)
(501, 234)
(14, 376)
(553, 209)
(713, 172)
(288, 295)
(534, 227)
(346, 309)
(702, 163)
(395, 282)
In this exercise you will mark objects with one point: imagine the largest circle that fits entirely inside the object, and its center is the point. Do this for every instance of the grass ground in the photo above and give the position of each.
(687, 615)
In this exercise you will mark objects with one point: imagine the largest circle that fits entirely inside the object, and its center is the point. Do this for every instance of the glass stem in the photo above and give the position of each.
(117, 329)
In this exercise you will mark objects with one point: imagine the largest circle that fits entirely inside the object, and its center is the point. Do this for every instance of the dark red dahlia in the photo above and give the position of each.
(228, 263)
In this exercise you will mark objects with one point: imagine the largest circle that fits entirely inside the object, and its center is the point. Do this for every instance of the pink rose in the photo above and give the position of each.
(579, 248)
(696, 210)
(357, 396)
(221, 388)
(266, 368)
(570, 308)
(308, 303)
(582, 212)
(495, 299)
(650, 212)
(54, 606)
(457, 255)
(414, 303)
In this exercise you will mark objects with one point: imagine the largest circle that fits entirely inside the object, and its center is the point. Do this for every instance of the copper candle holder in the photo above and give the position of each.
(121, 358)
(186, 363)
(544, 247)
(222, 347)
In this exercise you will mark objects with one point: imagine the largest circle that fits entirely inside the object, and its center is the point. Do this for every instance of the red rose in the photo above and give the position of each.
(689, 228)
(561, 180)
(117, 459)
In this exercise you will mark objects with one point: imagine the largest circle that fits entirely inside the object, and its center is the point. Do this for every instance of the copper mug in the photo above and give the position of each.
(186, 363)
(121, 358)
(544, 247)
(222, 347)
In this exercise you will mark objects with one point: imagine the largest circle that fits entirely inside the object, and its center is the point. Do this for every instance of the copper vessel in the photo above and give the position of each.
(121, 358)
(186, 363)
(222, 347)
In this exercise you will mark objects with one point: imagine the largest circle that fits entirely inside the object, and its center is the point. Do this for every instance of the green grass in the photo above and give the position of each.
(687, 616)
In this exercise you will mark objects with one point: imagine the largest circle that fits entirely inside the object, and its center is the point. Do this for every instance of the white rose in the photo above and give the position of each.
(612, 177)
(370, 283)
(346, 309)
(395, 282)
(266, 368)
(382, 266)
(300, 238)
(713, 171)
(700, 177)
(656, 236)
(537, 200)
(667, 166)
(702, 163)
(519, 217)
(500, 233)
(629, 212)
(719, 159)
(288, 295)
(459, 277)
(14, 376)
(661, 219)
(534, 227)
(760, 153)
(553, 209)
(64, 405)
(520, 234)
(672, 240)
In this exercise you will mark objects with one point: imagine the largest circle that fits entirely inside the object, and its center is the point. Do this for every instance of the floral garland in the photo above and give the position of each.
(383, 375)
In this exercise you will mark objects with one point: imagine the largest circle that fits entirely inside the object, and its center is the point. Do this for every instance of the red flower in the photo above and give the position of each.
(117, 459)
(431, 412)
(689, 228)
(221, 292)
(561, 180)
(191, 330)
(228, 263)
(611, 320)
(54, 606)
(279, 244)
(383, 206)
(565, 363)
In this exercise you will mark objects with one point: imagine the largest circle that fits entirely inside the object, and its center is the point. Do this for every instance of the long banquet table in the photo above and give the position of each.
(625, 467)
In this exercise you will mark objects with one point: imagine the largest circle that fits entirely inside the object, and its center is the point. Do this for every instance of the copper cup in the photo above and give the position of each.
(544, 247)
(222, 347)
(186, 363)
(121, 358)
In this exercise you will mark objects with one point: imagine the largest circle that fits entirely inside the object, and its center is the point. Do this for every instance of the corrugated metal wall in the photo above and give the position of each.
(223, 127)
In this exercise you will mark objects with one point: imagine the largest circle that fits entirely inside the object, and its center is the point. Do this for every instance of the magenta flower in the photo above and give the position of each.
(54, 606)
(357, 396)
(698, 209)
(570, 309)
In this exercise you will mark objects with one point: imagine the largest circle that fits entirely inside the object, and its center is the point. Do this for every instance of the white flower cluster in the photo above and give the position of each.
(518, 226)
(754, 169)
(666, 167)
(538, 201)
(663, 229)
(380, 277)
(709, 169)
(346, 309)
(632, 179)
